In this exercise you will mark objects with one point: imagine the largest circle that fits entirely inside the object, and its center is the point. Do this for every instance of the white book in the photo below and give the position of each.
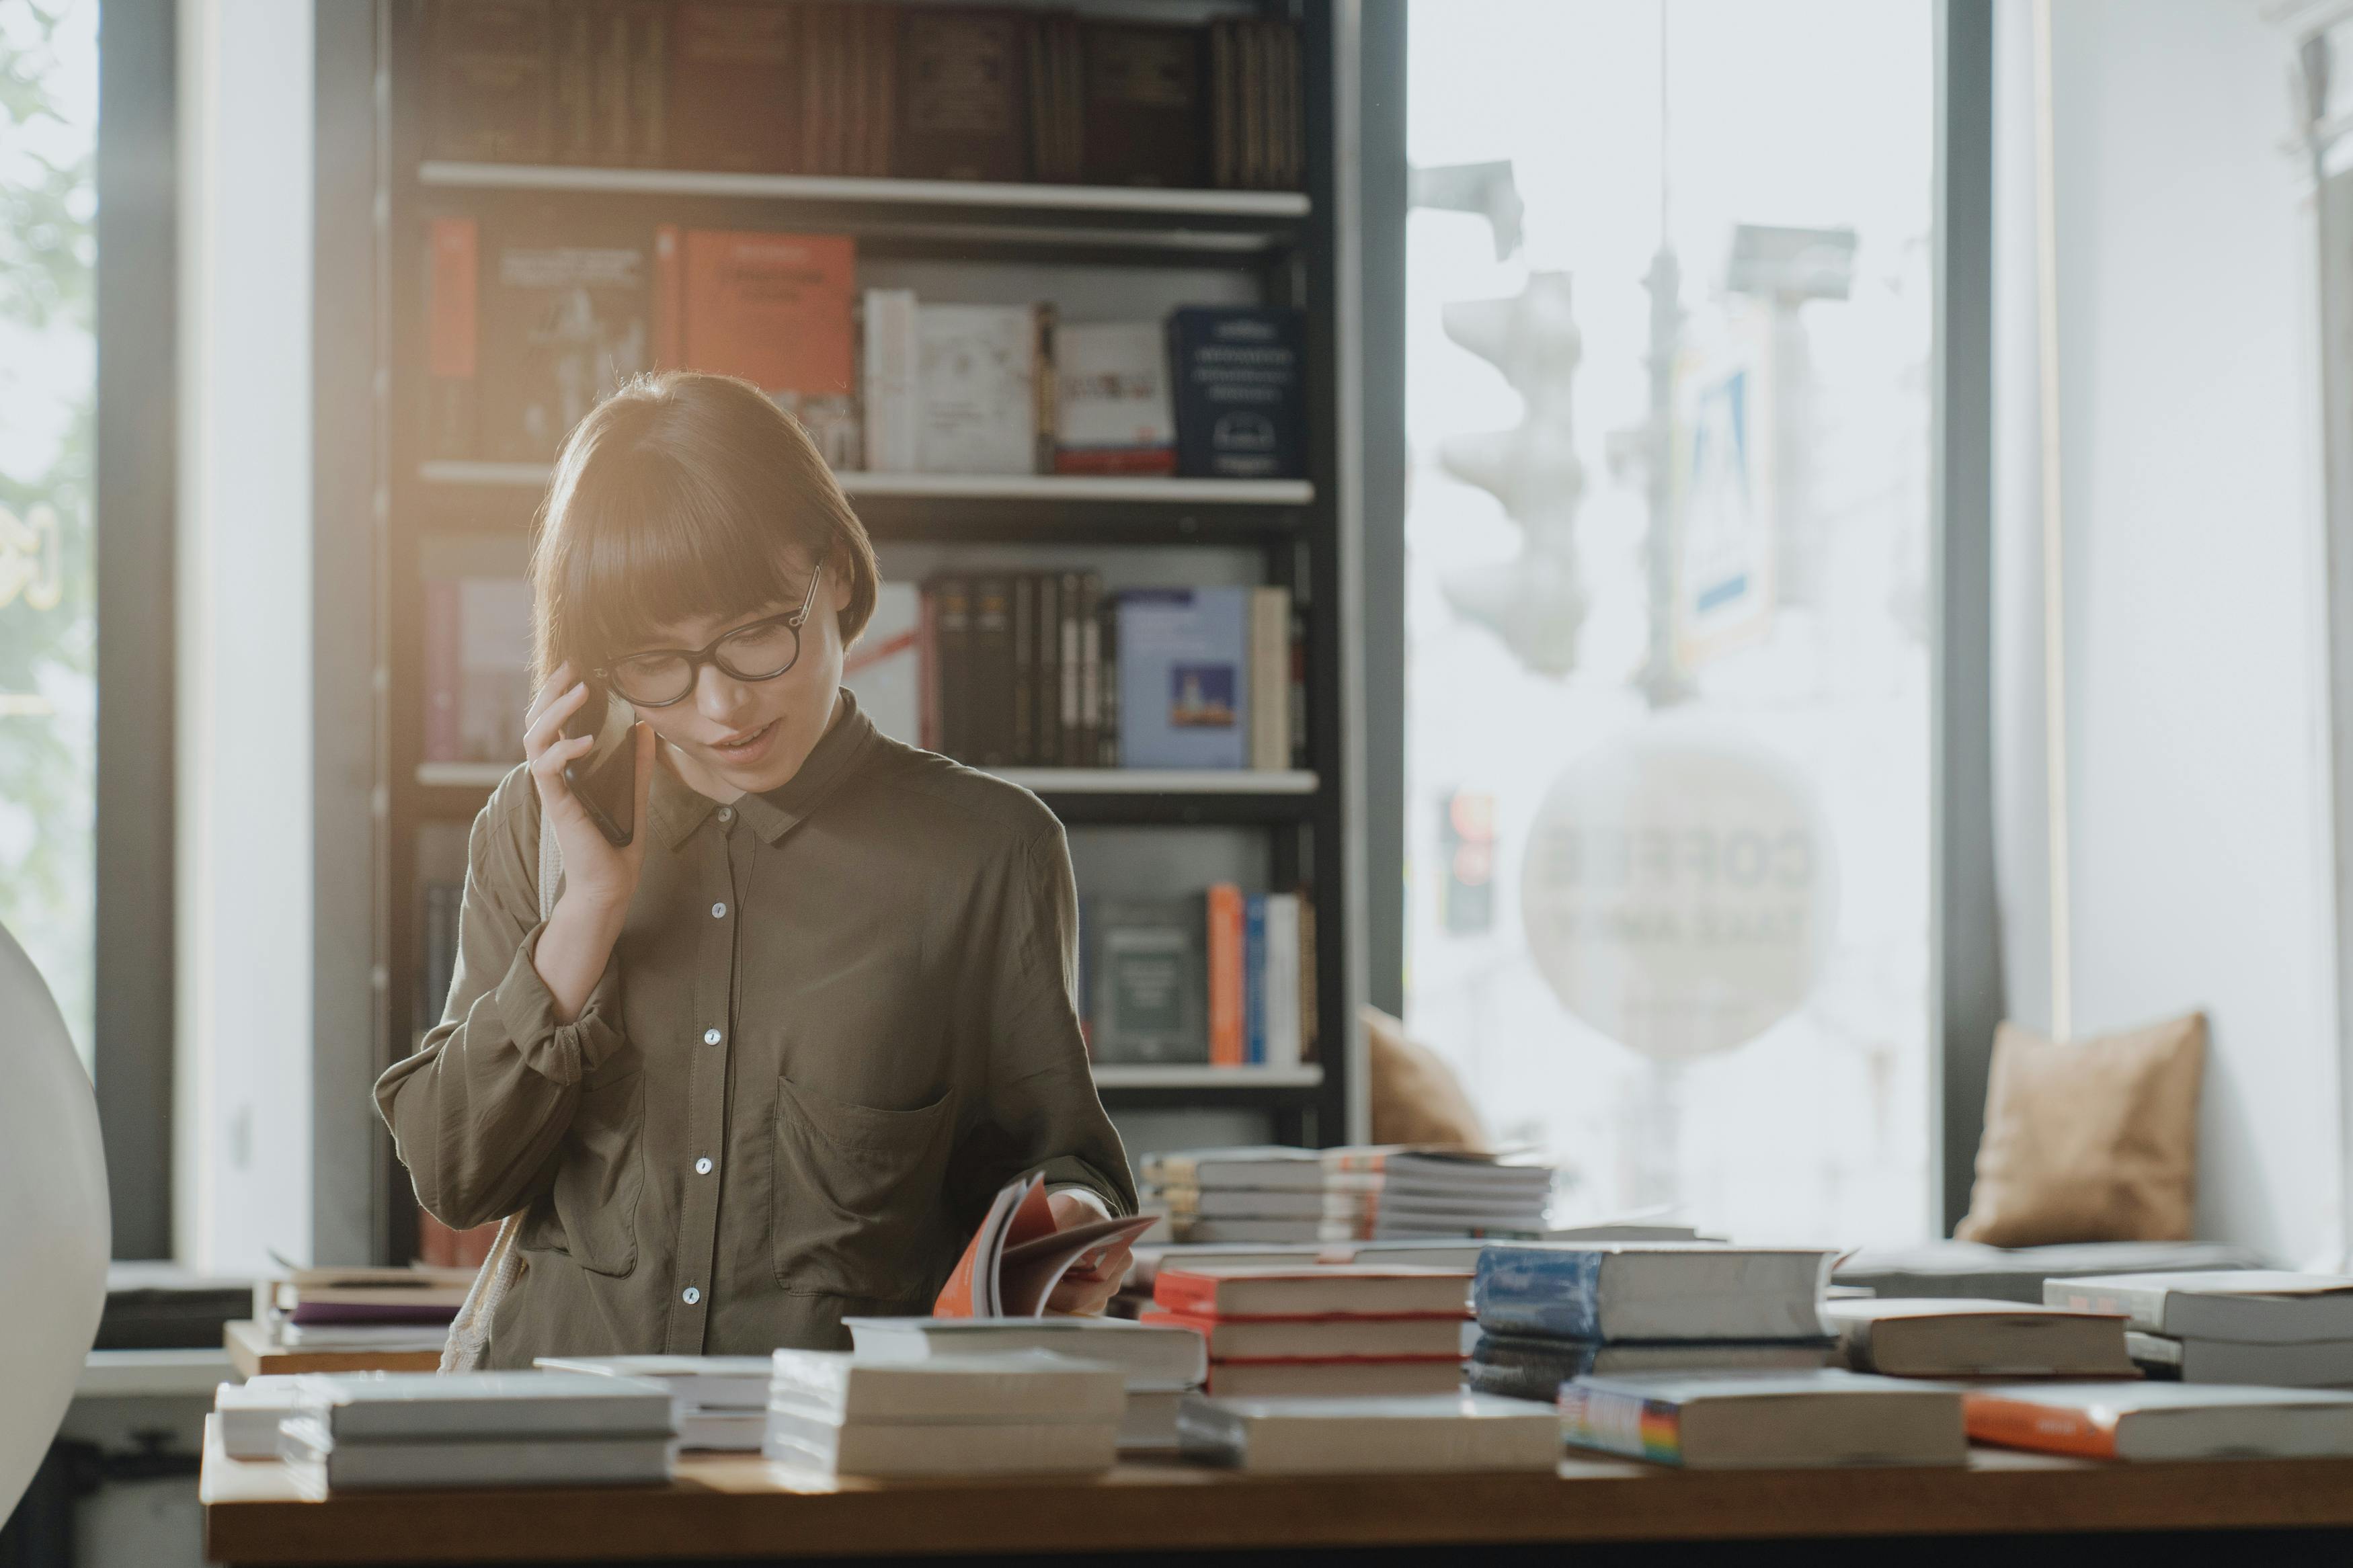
(1766, 1420)
(430, 1462)
(2308, 1363)
(885, 666)
(2165, 1420)
(388, 1338)
(1112, 412)
(1017, 1386)
(722, 1431)
(1239, 1203)
(392, 1406)
(889, 374)
(1268, 1167)
(808, 1441)
(2253, 1305)
(1324, 1339)
(1960, 1338)
(1148, 1355)
(250, 1411)
(1435, 1432)
(1270, 679)
(1282, 1031)
(695, 1382)
(1150, 1423)
(1189, 1229)
(976, 389)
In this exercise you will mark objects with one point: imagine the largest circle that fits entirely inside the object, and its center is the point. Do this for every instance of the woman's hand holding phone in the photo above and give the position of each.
(599, 878)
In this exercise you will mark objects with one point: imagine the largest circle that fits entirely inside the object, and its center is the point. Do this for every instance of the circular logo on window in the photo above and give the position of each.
(1678, 893)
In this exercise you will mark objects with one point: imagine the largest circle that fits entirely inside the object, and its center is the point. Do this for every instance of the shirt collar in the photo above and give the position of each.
(677, 809)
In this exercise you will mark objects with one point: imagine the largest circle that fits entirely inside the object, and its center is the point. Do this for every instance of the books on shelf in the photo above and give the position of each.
(1659, 1290)
(1112, 414)
(563, 320)
(1371, 1194)
(1345, 1435)
(2254, 1305)
(840, 1413)
(1923, 1338)
(773, 309)
(1240, 378)
(477, 668)
(1528, 1366)
(2152, 1420)
(2299, 1364)
(718, 1402)
(1217, 977)
(479, 1429)
(1183, 677)
(439, 965)
(866, 88)
(452, 335)
(1766, 1420)
(984, 373)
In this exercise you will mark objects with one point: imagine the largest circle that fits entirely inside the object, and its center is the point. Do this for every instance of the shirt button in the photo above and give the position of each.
(689, 1295)
(719, 911)
(727, 813)
(710, 1037)
(703, 1166)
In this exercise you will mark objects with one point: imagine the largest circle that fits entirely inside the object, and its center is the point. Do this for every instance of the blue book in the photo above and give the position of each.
(1184, 685)
(1655, 1291)
(1254, 979)
(1240, 385)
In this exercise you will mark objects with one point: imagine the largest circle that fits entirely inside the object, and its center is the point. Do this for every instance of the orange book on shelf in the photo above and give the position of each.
(775, 309)
(1225, 949)
(2049, 1428)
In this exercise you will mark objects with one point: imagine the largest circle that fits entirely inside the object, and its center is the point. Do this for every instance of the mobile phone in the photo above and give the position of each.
(605, 782)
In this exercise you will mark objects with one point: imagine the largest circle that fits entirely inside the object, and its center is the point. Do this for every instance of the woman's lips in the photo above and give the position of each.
(750, 749)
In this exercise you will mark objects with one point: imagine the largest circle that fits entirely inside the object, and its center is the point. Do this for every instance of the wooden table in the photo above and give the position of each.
(253, 1351)
(736, 1507)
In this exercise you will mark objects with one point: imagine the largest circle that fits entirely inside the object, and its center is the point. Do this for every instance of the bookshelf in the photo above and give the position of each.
(1104, 243)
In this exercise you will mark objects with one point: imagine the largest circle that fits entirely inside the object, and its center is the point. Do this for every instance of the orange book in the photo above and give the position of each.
(1226, 1040)
(1318, 1290)
(1017, 1257)
(773, 309)
(2086, 1431)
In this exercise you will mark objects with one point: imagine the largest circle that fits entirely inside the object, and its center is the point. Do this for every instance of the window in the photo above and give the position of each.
(1669, 589)
(49, 690)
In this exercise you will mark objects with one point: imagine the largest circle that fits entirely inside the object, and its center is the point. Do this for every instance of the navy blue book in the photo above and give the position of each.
(1654, 1291)
(1240, 373)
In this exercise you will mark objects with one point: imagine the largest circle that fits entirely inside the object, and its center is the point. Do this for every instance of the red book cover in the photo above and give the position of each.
(773, 309)
(1225, 1044)
(2049, 1428)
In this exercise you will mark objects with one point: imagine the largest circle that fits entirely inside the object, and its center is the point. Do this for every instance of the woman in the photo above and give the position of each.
(764, 1066)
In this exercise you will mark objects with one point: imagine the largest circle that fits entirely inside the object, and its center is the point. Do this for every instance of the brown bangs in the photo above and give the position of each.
(685, 495)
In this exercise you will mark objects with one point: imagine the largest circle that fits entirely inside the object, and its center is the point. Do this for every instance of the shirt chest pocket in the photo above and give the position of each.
(591, 1213)
(858, 1201)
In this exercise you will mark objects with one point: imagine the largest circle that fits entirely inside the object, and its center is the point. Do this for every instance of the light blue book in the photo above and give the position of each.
(1651, 1290)
(1183, 677)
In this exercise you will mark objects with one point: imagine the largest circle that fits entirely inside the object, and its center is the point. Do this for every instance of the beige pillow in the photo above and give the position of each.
(1416, 1097)
(2091, 1141)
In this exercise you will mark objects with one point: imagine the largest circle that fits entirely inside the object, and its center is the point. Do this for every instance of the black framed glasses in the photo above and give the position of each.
(761, 650)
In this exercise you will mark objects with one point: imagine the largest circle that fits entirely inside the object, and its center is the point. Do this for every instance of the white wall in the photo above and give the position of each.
(241, 1164)
(2202, 848)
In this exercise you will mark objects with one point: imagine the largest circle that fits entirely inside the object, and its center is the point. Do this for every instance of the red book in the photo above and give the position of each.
(1018, 1256)
(452, 309)
(1225, 949)
(773, 309)
(1324, 1290)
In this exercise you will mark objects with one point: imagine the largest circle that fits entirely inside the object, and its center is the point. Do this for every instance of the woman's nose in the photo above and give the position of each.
(718, 695)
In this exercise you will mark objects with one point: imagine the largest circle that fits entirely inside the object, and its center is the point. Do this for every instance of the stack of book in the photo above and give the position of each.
(2153, 1420)
(478, 1429)
(1550, 1312)
(1428, 1434)
(387, 1310)
(1386, 1194)
(1351, 1329)
(719, 1402)
(1161, 1363)
(2248, 1326)
(1766, 1420)
(1261, 1193)
(1961, 1338)
(839, 1413)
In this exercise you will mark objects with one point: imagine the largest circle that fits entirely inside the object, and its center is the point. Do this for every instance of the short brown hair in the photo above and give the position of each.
(678, 498)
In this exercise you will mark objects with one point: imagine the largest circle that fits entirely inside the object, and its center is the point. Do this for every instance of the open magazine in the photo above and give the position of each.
(1017, 1257)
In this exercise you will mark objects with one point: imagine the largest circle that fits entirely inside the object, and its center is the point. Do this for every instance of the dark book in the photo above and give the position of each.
(1224, 168)
(1238, 382)
(452, 287)
(578, 37)
(1147, 978)
(736, 87)
(963, 83)
(952, 599)
(880, 86)
(1080, 751)
(1049, 693)
(649, 49)
(1107, 684)
(1025, 670)
(1144, 114)
(990, 695)
(1057, 136)
(1073, 671)
(566, 322)
(490, 80)
(820, 82)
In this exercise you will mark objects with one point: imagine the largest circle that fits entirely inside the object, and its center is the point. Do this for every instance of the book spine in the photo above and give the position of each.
(1307, 994)
(1025, 670)
(1254, 980)
(453, 299)
(1045, 419)
(1298, 709)
(1047, 699)
(576, 98)
(1624, 1424)
(443, 741)
(1073, 668)
(2046, 1428)
(1082, 752)
(1225, 948)
(649, 24)
(955, 666)
(890, 391)
(1107, 685)
(1270, 677)
(1281, 961)
(990, 695)
(927, 669)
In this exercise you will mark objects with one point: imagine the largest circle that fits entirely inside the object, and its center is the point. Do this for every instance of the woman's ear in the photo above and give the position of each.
(842, 586)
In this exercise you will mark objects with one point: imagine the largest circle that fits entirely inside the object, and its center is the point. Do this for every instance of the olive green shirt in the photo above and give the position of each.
(837, 1019)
